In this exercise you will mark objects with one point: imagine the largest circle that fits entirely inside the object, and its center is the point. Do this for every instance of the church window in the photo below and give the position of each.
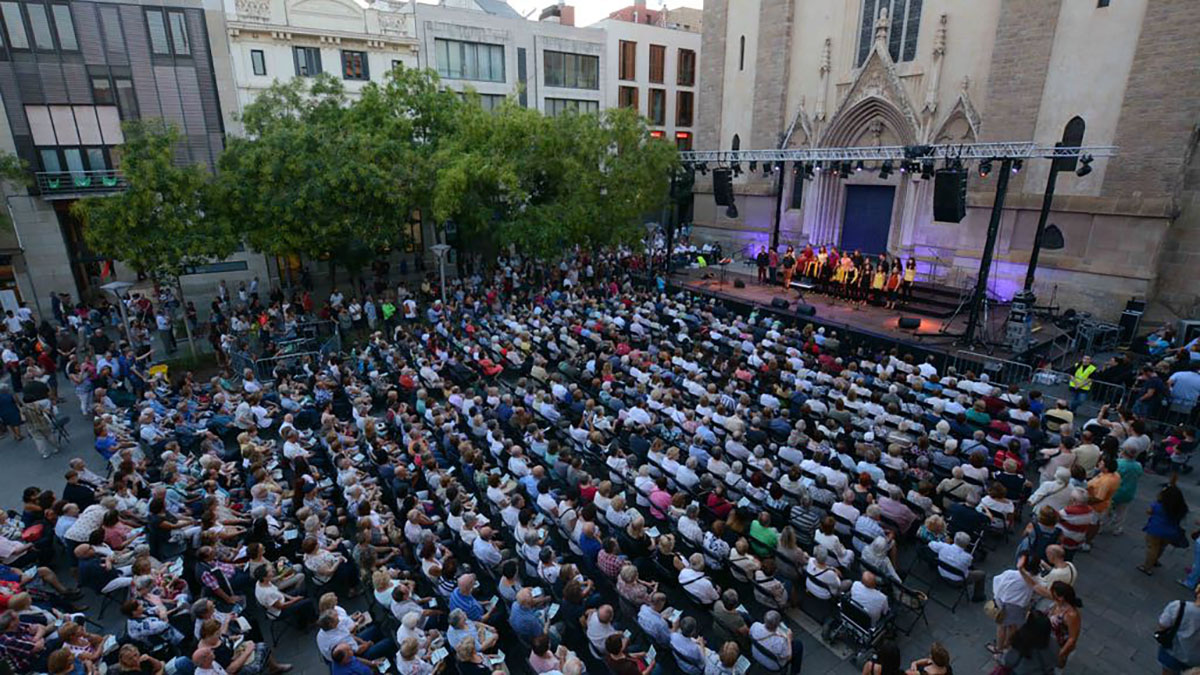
(904, 19)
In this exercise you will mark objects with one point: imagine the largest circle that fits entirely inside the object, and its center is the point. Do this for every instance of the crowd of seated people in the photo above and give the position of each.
(573, 474)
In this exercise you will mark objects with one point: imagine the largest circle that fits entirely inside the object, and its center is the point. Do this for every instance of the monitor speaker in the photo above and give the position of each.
(723, 186)
(779, 303)
(803, 309)
(738, 283)
(949, 195)
(910, 322)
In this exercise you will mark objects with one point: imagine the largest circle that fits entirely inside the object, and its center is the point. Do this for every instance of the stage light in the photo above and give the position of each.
(732, 211)
(1017, 164)
(904, 166)
(753, 165)
(768, 167)
(808, 171)
(859, 166)
(703, 168)
(927, 169)
(886, 169)
(817, 166)
(985, 167)
(1085, 166)
(737, 170)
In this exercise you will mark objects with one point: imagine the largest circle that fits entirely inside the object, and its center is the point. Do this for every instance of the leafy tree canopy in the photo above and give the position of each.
(160, 224)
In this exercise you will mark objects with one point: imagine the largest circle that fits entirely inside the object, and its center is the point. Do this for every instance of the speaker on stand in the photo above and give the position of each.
(949, 195)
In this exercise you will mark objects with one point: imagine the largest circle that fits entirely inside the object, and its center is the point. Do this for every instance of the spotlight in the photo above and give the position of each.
(732, 211)
(767, 168)
(753, 165)
(808, 171)
(847, 167)
(904, 166)
(703, 166)
(985, 167)
(859, 166)
(1017, 164)
(885, 170)
(927, 169)
(1085, 166)
(817, 166)
(737, 170)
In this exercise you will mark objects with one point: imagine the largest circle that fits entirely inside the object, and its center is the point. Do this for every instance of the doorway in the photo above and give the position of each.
(867, 219)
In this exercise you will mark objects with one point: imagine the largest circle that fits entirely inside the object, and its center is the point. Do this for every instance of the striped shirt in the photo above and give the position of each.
(1075, 521)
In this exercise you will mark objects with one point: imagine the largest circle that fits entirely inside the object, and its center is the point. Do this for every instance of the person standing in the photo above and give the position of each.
(163, 322)
(1164, 526)
(772, 263)
(788, 265)
(1130, 470)
(1065, 621)
(1181, 620)
(763, 260)
(1081, 381)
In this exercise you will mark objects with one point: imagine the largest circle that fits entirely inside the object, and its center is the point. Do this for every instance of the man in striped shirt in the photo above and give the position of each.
(1076, 519)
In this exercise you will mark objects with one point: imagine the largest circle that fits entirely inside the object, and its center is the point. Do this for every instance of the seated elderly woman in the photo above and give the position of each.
(461, 628)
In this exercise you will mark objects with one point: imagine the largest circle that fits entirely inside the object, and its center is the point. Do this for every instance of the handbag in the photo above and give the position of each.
(994, 611)
(1166, 636)
(32, 533)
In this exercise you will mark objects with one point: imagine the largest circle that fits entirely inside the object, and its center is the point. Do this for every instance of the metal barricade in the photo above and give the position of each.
(999, 371)
(1057, 383)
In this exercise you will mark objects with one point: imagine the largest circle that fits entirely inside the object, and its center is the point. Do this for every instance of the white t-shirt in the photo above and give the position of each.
(268, 596)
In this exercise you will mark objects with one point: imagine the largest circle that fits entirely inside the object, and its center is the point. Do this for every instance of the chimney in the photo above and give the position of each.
(566, 15)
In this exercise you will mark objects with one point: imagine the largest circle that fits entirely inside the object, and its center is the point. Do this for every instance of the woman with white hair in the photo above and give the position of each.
(875, 555)
(461, 628)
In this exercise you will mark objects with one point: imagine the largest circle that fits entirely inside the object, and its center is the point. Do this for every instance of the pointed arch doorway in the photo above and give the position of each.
(867, 218)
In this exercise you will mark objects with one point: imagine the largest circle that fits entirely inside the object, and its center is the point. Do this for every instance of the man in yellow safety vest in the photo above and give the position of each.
(1081, 381)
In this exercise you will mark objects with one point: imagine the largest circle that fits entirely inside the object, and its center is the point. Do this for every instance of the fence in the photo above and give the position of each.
(316, 340)
(1056, 382)
(999, 371)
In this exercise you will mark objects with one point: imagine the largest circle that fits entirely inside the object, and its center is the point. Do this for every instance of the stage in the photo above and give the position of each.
(936, 334)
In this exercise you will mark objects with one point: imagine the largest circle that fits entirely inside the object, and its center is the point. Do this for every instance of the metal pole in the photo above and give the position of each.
(985, 262)
(779, 166)
(1047, 198)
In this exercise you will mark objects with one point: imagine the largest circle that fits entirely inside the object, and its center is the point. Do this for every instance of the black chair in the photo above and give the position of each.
(855, 625)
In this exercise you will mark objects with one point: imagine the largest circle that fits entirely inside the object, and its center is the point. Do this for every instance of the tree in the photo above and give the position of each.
(547, 183)
(160, 224)
(12, 169)
(320, 176)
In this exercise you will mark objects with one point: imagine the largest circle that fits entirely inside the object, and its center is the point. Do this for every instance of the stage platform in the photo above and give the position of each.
(936, 334)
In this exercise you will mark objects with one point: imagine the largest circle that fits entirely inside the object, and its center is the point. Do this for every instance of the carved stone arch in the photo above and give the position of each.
(957, 127)
(871, 121)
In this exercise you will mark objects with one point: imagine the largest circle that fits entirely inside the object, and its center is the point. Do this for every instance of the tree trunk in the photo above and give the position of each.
(332, 274)
(187, 326)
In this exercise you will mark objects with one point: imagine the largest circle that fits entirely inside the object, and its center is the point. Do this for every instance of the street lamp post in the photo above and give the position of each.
(440, 250)
(117, 288)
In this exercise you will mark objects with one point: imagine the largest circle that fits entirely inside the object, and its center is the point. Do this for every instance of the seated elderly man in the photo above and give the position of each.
(955, 563)
(696, 583)
(869, 597)
(774, 646)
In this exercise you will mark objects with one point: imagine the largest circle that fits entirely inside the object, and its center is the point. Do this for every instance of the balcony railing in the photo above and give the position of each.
(69, 184)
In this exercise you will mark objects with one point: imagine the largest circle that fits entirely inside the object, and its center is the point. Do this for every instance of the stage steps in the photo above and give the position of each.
(930, 299)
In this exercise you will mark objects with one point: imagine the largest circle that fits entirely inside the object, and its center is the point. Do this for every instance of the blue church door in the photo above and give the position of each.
(867, 219)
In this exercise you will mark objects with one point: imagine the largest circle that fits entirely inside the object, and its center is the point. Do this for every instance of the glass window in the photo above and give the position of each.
(258, 62)
(683, 141)
(158, 32)
(102, 92)
(658, 107)
(905, 21)
(65, 26)
(797, 189)
(658, 63)
(627, 97)
(627, 67)
(578, 71)
(39, 24)
(354, 65)
(15, 24)
(179, 34)
(126, 98)
(683, 108)
(308, 61)
(95, 159)
(558, 106)
(74, 159)
(687, 68)
(50, 160)
(459, 60)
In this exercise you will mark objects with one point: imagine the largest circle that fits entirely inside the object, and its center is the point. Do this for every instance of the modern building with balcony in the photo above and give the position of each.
(70, 74)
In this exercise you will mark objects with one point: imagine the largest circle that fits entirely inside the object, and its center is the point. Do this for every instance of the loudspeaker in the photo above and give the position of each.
(779, 303)
(738, 283)
(949, 195)
(723, 187)
(910, 322)
(805, 310)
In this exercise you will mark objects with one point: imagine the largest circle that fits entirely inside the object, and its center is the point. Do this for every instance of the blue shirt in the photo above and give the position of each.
(355, 667)
(526, 623)
(469, 605)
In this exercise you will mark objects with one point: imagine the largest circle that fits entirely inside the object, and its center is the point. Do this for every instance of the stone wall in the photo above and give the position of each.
(712, 69)
(771, 73)
(1020, 58)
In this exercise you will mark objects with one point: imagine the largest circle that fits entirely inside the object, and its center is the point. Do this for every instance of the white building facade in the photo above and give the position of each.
(654, 70)
(353, 40)
(488, 47)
